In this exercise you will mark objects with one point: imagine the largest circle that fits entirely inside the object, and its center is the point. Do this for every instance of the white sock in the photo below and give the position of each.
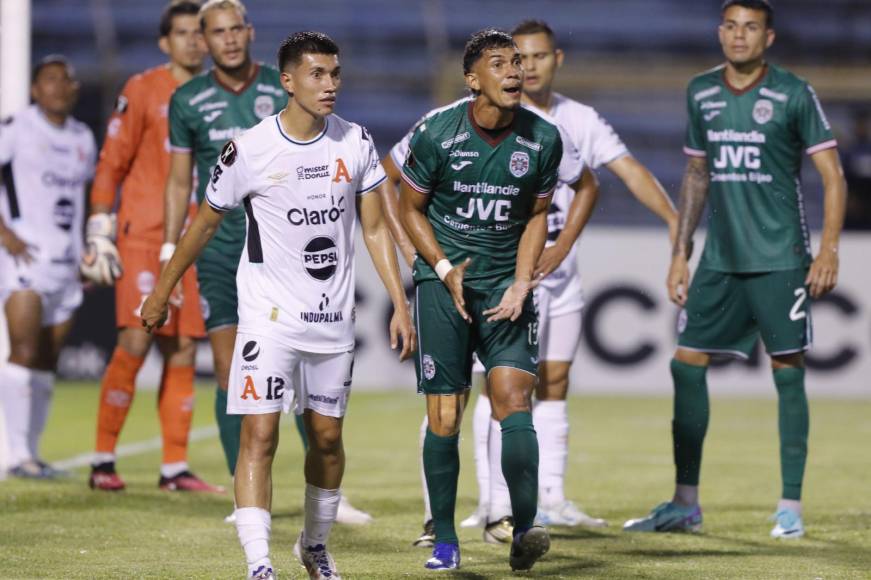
(172, 469)
(102, 457)
(15, 394)
(41, 391)
(321, 506)
(427, 512)
(790, 504)
(551, 422)
(481, 434)
(500, 499)
(253, 525)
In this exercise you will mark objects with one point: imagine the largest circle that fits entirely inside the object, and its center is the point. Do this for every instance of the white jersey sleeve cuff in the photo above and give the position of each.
(822, 146)
(215, 206)
(694, 152)
(177, 149)
(367, 189)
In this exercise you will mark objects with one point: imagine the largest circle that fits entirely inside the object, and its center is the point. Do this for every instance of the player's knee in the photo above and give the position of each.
(692, 357)
(326, 438)
(134, 341)
(24, 353)
(786, 361)
(259, 438)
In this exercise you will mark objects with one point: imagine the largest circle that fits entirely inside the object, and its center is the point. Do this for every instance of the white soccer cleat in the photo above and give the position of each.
(789, 525)
(317, 561)
(230, 519)
(349, 515)
(567, 513)
(478, 519)
(500, 531)
(263, 573)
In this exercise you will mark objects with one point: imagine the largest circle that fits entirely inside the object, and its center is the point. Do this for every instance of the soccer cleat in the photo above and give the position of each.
(35, 469)
(444, 557)
(499, 532)
(478, 519)
(567, 514)
(349, 515)
(105, 478)
(789, 525)
(668, 517)
(427, 538)
(317, 561)
(528, 547)
(263, 573)
(187, 481)
(230, 519)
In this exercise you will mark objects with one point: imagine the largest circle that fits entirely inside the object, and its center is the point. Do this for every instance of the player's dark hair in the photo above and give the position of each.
(484, 40)
(48, 61)
(532, 26)
(762, 5)
(173, 9)
(306, 42)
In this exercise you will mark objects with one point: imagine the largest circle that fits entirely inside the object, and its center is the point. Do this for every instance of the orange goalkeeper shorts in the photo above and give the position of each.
(141, 263)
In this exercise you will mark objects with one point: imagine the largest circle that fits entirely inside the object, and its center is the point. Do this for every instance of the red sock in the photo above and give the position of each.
(176, 410)
(116, 395)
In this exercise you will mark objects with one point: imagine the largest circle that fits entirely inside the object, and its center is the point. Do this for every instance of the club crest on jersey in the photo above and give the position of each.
(763, 111)
(429, 368)
(519, 163)
(228, 154)
(263, 106)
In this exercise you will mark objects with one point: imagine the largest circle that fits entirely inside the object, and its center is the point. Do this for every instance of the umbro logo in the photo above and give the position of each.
(278, 177)
(460, 164)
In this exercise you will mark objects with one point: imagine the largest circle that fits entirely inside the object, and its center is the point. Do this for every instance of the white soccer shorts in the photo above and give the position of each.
(60, 298)
(559, 321)
(267, 376)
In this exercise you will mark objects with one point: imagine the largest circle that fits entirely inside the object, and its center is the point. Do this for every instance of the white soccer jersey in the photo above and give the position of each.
(296, 275)
(45, 169)
(598, 145)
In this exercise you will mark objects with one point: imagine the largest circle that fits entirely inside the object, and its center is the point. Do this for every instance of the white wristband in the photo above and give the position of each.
(166, 252)
(442, 268)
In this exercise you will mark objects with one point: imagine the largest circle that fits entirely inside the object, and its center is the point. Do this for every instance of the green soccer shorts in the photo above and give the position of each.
(446, 342)
(726, 312)
(216, 274)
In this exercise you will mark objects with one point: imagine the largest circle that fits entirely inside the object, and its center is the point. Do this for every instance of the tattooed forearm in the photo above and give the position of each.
(693, 193)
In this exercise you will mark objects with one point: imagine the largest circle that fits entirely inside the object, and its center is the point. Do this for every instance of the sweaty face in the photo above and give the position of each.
(744, 36)
(184, 43)
(55, 90)
(227, 36)
(498, 76)
(540, 60)
(314, 82)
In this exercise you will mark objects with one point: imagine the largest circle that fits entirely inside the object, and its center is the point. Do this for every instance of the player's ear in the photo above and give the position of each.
(769, 37)
(560, 55)
(163, 44)
(286, 82)
(472, 82)
(250, 33)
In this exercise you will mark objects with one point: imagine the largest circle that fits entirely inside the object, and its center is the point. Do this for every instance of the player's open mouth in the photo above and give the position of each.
(512, 90)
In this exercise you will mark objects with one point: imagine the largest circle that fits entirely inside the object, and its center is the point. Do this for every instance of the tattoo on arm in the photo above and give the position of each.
(693, 194)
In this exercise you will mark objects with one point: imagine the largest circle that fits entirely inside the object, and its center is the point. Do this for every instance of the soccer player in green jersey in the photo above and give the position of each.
(750, 122)
(205, 113)
(476, 187)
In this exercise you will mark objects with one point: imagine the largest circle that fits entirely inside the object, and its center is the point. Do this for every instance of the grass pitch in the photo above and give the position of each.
(620, 466)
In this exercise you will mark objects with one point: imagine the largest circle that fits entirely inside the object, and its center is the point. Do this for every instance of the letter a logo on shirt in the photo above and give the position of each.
(249, 389)
(341, 172)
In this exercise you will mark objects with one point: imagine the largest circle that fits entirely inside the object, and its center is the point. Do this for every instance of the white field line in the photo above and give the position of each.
(137, 448)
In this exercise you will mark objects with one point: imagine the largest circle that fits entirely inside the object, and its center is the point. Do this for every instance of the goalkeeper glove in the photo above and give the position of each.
(100, 261)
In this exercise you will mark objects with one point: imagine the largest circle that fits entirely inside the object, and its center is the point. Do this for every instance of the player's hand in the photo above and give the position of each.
(401, 328)
(176, 297)
(823, 274)
(454, 282)
(678, 280)
(21, 251)
(550, 259)
(153, 313)
(511, 305)
(101, 263)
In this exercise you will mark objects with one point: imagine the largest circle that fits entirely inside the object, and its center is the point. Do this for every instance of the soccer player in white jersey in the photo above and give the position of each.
(47, 157)
(302, 176)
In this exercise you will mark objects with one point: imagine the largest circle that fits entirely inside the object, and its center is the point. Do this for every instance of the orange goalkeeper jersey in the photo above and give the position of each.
(135, 156)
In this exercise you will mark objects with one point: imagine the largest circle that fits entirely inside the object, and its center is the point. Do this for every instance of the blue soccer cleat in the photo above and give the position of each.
(444, 557)
(668, 517)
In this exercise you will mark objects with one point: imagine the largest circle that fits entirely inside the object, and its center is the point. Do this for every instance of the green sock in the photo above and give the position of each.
(229, 429)
(520, 467)
(690, 422)
(793, 422)
(300, 426)
(441, 466)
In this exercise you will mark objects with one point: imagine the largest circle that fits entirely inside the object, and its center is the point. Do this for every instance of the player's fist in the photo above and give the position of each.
(101, 263)
(678, 280)
(154, 312)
